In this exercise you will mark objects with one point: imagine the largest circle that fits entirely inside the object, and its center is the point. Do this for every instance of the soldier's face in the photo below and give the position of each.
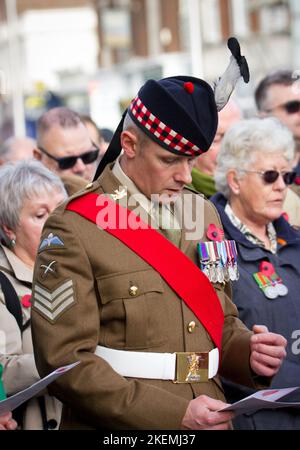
(34, 214)
(155, 170)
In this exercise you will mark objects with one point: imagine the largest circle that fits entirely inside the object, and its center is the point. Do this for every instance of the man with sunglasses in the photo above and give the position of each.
(278, 95)
(64, 146)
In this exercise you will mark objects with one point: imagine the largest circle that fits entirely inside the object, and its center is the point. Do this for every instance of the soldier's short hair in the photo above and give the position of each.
(278, 77)
(19, 181)
(131, 126)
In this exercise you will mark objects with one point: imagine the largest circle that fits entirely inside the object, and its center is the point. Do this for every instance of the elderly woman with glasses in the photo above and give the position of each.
(253, 172)
(28, 194)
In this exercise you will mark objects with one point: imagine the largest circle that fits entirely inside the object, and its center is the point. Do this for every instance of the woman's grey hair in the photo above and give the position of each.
(244, 140)
(20, 181)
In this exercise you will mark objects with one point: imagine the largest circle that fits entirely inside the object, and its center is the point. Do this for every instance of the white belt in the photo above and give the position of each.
(185, 367)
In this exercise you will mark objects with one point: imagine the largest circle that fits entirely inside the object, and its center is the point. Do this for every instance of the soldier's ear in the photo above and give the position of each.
(129, 143)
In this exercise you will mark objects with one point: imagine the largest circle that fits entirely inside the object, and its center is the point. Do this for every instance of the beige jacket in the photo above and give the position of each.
(292, 207)
(86, 302)
(16, 350)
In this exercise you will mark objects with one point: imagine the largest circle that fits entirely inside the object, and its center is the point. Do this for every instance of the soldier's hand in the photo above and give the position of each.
(267, 351)
(201, 414)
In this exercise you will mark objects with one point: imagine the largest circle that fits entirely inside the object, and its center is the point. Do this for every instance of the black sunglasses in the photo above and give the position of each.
(270, 176)
(291, 107)
(68, 162)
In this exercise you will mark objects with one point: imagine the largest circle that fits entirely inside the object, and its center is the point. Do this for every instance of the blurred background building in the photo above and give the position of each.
(92, 55)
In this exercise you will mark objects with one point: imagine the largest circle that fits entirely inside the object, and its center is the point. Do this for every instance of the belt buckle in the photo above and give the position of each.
(191, 367)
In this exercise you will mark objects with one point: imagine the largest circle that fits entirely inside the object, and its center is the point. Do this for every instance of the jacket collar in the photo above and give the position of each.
(14, 264)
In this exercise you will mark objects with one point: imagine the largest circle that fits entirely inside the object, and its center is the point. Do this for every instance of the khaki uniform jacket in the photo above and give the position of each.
(91, 287)
(16, 350)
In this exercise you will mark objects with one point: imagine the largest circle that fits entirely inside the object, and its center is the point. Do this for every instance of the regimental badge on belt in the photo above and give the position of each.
(218, 258)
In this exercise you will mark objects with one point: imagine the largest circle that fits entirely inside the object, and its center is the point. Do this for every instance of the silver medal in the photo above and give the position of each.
(220, 273)
(231, 272)
(214, 276)
(205, 270)
(209, 271)
(226, 274)
(281, 289)
(270, 292)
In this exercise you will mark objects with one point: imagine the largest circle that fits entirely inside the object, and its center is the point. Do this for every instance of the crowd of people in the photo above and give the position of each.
(75, 288)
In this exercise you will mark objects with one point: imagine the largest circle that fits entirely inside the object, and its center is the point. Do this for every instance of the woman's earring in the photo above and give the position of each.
(13, 243)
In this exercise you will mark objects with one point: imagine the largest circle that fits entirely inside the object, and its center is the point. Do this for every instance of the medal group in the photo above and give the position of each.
(269, 282)
(218, 260)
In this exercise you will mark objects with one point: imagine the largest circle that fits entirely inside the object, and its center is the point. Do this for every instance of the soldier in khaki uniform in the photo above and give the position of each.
(126, 314)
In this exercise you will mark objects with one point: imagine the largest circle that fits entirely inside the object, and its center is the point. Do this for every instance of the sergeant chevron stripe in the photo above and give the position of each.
(52, 304)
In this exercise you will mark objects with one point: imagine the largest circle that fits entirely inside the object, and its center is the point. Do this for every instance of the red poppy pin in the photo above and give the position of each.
(266, 268)
(214, 233)
(26, 301)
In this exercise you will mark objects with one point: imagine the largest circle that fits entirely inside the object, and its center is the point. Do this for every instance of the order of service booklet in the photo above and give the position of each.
(265, 399)
(12, 402)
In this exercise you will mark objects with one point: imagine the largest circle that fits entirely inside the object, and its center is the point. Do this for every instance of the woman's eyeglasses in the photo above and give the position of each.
(68, 162)
(270, 176)
(291, 107)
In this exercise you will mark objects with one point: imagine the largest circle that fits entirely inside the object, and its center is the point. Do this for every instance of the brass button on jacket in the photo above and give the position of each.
(133, 290)
(191, 326)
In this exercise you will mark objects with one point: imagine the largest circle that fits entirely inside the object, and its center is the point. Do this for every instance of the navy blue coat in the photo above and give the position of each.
(281, 315)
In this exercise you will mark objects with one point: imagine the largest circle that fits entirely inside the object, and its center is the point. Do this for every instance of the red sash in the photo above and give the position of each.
(182, 275)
